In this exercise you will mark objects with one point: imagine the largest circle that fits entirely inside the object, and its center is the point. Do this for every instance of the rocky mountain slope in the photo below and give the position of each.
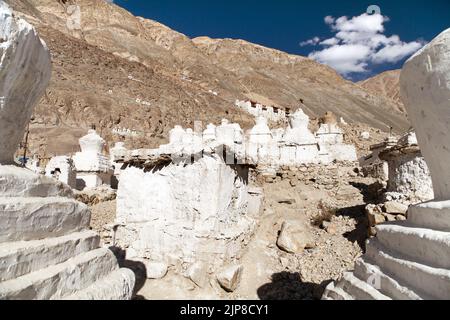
(118, 71)
(386, 84)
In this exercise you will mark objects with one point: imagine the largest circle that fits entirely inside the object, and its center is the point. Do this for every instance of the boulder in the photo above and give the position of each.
(198, 274)
(390, 217)
(155, 270)
(365, 135)
(374, 215)
(395, 208)
(230, 277)
(294, 237)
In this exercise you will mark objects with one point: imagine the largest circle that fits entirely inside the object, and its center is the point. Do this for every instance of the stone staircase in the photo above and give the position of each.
(46, 248)
(405, 261)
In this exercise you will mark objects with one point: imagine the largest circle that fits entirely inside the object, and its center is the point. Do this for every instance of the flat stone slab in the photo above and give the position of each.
(24, 219)
(425, 246)
(21, 182)
(118, 285)
(428, 282)
(373, 275)
(433, 214)
(360, 289)
(23, 257)
(62, 279)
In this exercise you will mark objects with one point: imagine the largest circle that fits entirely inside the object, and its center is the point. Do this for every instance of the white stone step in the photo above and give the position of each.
(360, 290)
(20, 182)
(434, 215)
(22, 257)
(418, 277)
(62, 279)
(118, 285)
(335, 293)
(24, 219)
(388, 286)
(426, 246)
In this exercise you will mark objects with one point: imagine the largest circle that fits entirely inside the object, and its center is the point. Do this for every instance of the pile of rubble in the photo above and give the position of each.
(328, 176)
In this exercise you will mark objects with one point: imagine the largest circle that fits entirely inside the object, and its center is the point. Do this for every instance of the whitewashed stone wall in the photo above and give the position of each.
(186, 214)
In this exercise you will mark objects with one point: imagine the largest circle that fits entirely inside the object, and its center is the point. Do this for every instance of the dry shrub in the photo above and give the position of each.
(325, 213)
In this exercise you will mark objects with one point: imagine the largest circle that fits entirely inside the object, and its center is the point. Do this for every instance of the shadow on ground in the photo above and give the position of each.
(359, 234)
(137, 267)
(371, 194)
(289, 286)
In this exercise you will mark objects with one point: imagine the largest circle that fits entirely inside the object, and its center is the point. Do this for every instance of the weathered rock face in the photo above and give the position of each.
(24, 74)
(46, 248)
(425, 89)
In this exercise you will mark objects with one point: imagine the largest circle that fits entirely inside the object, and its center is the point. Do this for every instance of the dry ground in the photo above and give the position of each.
(270, 273)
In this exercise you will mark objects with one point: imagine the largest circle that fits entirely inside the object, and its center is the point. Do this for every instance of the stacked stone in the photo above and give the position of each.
(46, 248)
(386, 212)
(322, 176)
(411, 259)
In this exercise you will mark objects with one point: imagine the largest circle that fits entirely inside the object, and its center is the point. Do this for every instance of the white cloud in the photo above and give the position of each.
(330, 42)
(329, 20)
(310, 42)
(359, 42)
(396, 52)
(346, 58)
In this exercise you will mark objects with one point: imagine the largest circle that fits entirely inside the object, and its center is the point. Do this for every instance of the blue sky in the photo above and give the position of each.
(358, 46)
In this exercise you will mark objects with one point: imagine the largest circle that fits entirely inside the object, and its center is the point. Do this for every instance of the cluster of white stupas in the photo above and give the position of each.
(295, 145)
(46, 248)
(200, 207)
(411, 259)
(258, 110)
